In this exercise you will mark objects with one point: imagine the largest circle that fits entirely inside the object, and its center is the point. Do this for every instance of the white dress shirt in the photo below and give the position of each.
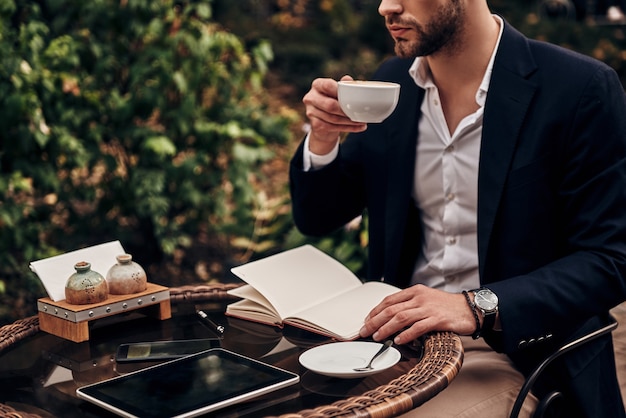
(445, 187)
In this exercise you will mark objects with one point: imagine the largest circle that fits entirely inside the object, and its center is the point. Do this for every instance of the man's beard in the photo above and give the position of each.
(442, 33)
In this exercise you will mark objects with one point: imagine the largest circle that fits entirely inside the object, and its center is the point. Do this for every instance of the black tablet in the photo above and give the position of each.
(188, 386)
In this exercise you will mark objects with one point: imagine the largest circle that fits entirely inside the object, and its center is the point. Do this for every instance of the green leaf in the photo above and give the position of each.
(250, 155)
(180, 81)
(160, 145)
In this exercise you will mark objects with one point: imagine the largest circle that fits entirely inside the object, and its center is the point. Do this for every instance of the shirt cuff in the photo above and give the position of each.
(314, 161)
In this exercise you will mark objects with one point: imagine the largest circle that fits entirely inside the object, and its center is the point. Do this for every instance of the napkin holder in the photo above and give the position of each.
(71, 322)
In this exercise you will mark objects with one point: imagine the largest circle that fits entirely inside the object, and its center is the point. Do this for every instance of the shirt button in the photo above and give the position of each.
(449, 148)
(451, 240)
(450, 197)
(436, 102)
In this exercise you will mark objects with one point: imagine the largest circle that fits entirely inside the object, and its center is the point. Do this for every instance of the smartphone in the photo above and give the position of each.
(163, 350)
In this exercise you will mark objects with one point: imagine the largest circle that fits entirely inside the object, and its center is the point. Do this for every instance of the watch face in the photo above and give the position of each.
(486, 300)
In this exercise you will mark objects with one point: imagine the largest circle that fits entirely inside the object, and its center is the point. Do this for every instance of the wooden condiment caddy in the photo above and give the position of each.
(71, 322)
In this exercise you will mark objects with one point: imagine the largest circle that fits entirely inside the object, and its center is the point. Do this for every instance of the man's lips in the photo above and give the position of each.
(398, 31)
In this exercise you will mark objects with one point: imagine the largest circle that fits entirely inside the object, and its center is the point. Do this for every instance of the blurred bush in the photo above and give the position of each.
(330, 38)
(312, 38)
(136, 120)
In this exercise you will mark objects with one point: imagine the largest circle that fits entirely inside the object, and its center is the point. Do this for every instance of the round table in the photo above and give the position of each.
(440, 363)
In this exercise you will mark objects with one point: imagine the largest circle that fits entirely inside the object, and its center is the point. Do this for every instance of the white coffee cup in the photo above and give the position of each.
(368, 101)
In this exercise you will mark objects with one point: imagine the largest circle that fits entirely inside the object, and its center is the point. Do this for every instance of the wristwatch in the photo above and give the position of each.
(487, 302)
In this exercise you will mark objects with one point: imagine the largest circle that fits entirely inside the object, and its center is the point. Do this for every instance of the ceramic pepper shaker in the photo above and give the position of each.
(85, 286)
(126, 277)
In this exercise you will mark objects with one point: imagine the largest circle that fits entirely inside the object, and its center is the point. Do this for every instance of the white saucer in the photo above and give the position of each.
(339, 359)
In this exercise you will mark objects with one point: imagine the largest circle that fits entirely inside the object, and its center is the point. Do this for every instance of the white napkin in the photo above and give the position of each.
(54, 271)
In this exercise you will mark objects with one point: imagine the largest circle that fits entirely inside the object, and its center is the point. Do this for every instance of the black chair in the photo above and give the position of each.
(545, 403)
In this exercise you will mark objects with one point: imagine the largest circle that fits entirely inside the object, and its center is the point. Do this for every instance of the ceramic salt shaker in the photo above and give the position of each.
(126, 277)
(85, 286)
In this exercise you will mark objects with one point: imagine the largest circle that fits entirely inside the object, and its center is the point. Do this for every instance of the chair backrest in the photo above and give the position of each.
(552, 397)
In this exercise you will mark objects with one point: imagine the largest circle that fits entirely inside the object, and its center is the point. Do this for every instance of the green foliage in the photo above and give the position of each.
(590, 35)
(330, 38)
(312, 38)
(274, 231)
(134, 120)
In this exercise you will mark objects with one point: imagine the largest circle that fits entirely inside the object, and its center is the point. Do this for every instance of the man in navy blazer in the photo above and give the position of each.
(549, 231)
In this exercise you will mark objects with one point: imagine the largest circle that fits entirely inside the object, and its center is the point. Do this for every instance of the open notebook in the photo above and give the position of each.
(306, 288)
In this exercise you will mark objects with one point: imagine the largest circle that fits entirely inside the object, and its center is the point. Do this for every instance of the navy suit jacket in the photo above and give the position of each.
(551, 203)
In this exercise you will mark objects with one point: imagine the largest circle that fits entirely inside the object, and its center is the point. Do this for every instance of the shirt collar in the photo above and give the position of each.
(420, 71)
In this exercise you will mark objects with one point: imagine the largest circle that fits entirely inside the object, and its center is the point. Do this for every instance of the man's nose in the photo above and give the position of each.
(390, 7)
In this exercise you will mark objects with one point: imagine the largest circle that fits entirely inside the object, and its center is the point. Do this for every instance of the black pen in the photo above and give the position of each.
(215, 327)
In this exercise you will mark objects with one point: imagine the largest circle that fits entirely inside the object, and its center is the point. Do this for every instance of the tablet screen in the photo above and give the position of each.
(188, 386)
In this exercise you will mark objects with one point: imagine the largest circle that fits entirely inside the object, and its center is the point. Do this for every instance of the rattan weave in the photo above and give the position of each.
(442, 360)
(443, 356)
(12, 333)
(9, 335)
(8, 412)
(214, 292)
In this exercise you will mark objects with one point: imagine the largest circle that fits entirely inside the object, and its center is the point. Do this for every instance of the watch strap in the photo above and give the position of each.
(489, 320)
(476, 334)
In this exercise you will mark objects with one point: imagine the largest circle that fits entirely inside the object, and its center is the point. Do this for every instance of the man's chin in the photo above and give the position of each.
(403, 49)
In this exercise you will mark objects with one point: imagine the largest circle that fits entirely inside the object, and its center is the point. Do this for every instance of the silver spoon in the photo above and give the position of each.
(384, 348)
